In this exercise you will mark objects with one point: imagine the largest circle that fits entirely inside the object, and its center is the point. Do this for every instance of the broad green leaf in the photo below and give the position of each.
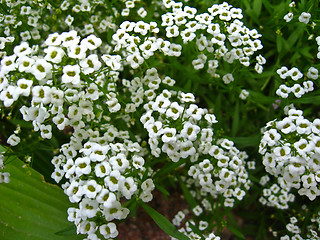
(30, 208)
(164, 223)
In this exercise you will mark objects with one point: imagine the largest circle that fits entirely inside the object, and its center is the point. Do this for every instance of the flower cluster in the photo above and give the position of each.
(290, 149)
(276, 197)
(222, 34)
(98, 176)
(304, 17)
(297, 230)
(297, 83)
(180, 219)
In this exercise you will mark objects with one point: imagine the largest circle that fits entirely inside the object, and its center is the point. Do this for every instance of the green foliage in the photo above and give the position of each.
(31, 208)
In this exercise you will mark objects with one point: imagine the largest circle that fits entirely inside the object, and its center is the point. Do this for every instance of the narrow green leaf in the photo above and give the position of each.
(279, 42)
(236, 232)
(168, 168)
(295, 36)
(251, 141)
(190, 199)
(257, 4)
(235, 120)
(164, 223)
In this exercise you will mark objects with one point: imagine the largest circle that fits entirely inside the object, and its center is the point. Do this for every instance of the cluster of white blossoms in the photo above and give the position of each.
(290, 149)
(61, 80)
(295, 82)
(295, 230)
(184, 225)
(23, 13)
(304, 17)
(220, 172)
(98, 176)
(180, 129)
(277, 197)
(80, 83)
(219, 34)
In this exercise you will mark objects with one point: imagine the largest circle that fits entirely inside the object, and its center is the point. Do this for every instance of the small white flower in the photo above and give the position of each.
(91, 42)
(71, 74)
(288, 17)
(295, 73)
(313, 73)
(304, 17)
(109, 231)
(13, 140)
(228, 78)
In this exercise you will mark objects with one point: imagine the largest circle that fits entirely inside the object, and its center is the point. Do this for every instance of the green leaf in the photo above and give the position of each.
(295, 36)
(251, 141)
(190, 199)
(164, 223)
(30, 208)
(236, 232)
(235, 120)
(279, 42)
(68, 231)
(257, 4)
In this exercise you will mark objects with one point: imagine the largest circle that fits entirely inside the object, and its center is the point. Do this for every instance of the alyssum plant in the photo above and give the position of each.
(108, 74)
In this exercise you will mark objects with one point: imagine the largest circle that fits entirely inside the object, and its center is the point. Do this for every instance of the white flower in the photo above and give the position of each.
(46, 131)
(297, 90)
(169, 135)
(22, 50)
(91, 42)
(187, 149)
(288, 17)
(108, 230)
(41, 69)
(9, 95)
(91, 188)
(24, 86)
(313, 73)
(135, 60)
(295, 74)
(90, 64)
(119, 162)
(4, 177)
(13, 140)
(283, 91)
(128, 187)
(82, 166)
(8, 64)
(71, 74)
(77, 51)
(24, 63)
(228, 78)
(69, 38)
(190, 131)
(54, 54)
(286, 125)
(304, 17)
(53, 39)
(113, 180)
